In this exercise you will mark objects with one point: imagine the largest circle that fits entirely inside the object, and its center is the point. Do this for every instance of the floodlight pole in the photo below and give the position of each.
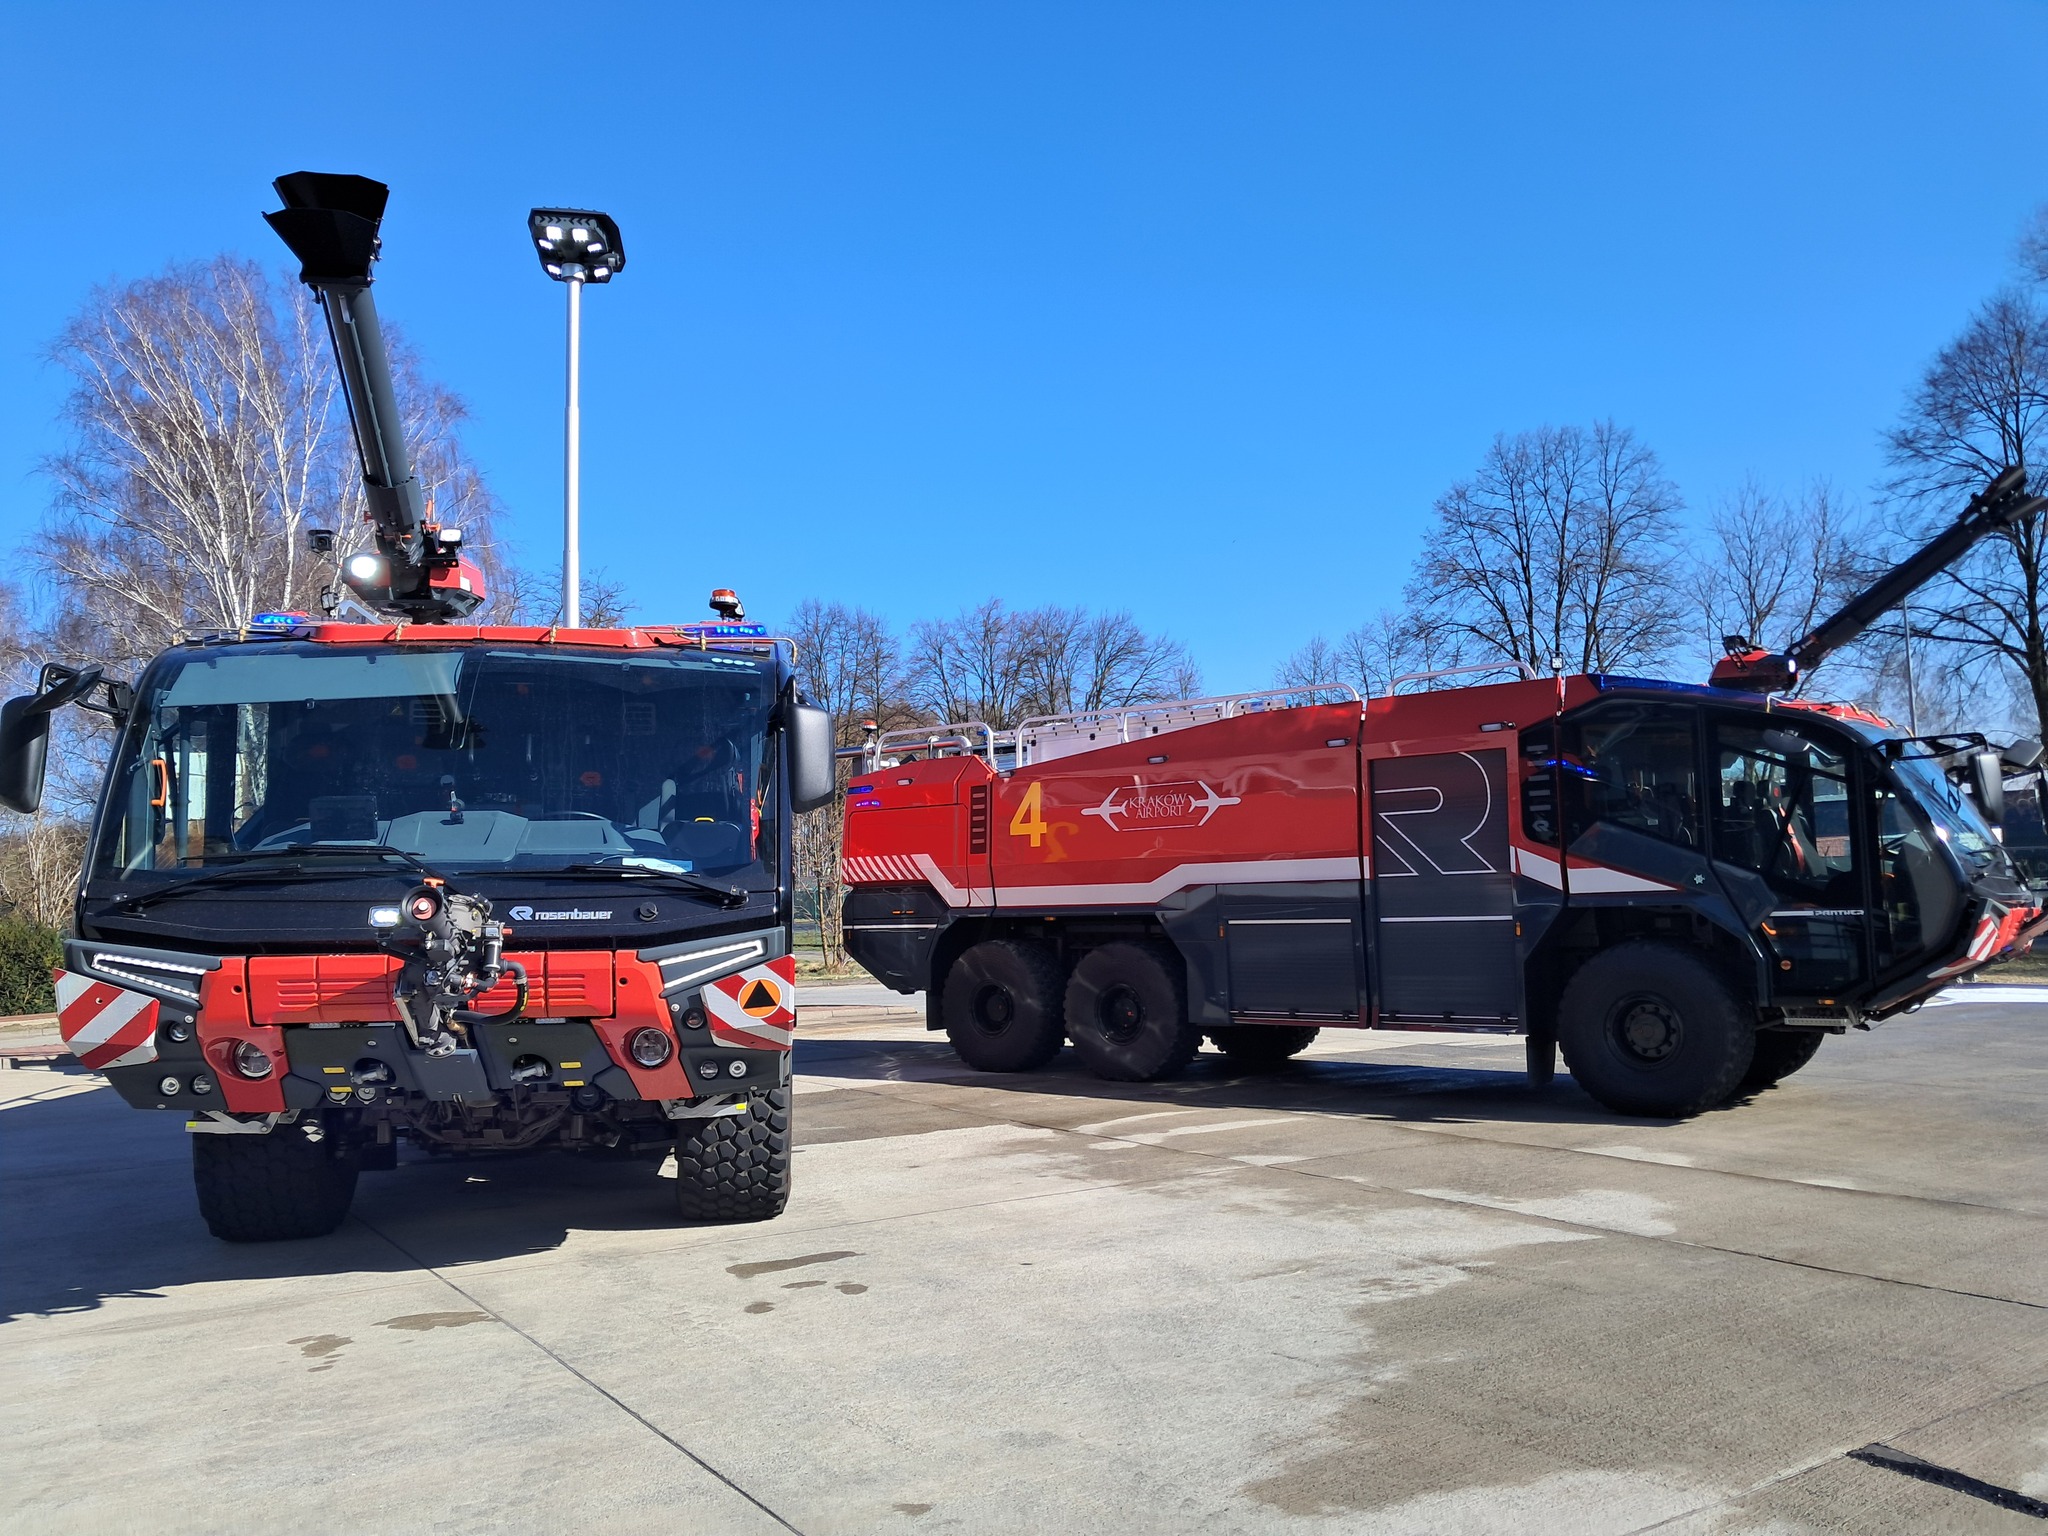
(572, 590)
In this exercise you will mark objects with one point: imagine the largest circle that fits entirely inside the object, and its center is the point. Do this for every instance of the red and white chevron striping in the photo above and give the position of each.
(879, 869)
(105, 1025)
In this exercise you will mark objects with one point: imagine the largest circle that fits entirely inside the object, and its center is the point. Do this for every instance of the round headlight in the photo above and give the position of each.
(250, 1060)
(650, 1047)
(693, 1018)
(202, 1084)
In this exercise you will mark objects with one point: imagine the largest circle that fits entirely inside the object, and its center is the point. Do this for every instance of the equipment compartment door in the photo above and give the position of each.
(1443, 900)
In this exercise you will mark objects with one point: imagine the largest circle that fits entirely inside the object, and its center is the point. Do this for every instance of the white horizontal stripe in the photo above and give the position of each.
(1500, 918)
(1593, 880)
(1290, 922)
(1180, 877)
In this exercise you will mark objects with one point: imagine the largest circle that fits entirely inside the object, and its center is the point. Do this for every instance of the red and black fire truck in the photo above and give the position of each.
(482, 887)
(1684, 887)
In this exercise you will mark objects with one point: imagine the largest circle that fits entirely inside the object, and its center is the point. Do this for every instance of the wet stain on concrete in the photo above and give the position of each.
(324, 1347)
(912, 1509)
(802, 1285)
(760, 1306)
(848, 1288)
(421, 1322)
(776, 1266)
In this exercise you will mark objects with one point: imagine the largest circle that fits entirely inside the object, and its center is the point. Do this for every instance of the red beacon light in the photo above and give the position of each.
(727, 605)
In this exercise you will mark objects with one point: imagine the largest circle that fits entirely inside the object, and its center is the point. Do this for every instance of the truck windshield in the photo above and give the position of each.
(469, 757)
(1954, 815)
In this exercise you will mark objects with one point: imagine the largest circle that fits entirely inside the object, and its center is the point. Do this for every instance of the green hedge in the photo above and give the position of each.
(27, 954)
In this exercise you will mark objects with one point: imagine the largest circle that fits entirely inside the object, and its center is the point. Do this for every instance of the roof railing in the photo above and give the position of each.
(1529, 673)
(1022, 744)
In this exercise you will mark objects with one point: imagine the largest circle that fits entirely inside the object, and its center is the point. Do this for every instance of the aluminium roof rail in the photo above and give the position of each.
(1040, 737)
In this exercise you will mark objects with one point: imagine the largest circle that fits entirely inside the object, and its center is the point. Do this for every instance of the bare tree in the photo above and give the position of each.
(1559, 551)
(1981, 407)
(1002, 665)
(846, 664)
(208, 433)
(1770, 566)
(2033, 247)
(1390, 644)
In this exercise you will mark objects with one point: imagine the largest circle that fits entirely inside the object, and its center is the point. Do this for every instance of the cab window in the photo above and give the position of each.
(1633, 766)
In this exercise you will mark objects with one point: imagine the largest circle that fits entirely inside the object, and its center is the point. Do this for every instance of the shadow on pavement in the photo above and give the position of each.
(96, 1200)
(1379, 1089)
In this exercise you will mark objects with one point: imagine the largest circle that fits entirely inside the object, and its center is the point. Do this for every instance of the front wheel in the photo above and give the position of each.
(1001, 1006)
(1651, 1029)
(1127, 1013)
(275, 1186)
(735, 1167)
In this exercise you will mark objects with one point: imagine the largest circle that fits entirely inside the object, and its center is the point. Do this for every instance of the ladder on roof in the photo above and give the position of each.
(1044, 738)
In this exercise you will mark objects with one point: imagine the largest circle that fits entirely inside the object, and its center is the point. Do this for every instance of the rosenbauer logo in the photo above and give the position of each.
(558, 914)
(1159, 805)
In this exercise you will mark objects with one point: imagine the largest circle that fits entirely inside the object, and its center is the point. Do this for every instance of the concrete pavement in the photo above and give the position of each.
(1386, 1289)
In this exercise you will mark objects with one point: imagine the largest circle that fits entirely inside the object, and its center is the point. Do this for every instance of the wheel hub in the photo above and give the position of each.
(994, 1010)
(1120, 1015)
(1647, 1028)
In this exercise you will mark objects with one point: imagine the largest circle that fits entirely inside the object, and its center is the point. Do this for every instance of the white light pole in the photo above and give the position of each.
(572, 458)
(576, 246)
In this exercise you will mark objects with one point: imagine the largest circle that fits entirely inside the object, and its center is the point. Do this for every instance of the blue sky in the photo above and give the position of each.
(1186, 308)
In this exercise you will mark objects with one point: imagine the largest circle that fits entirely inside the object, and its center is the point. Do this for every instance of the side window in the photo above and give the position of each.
(1782, 811)
(1634, 766)
(1539, 783)
(1917, 895)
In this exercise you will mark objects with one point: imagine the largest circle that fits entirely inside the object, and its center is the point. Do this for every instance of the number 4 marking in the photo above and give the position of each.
(1029, 820)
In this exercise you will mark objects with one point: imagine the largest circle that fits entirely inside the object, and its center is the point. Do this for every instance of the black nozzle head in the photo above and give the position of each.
(335, 193)
(330, 223)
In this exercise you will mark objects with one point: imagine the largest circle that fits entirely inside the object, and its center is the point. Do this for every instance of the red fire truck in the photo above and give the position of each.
(1684, 887)
(486, 888)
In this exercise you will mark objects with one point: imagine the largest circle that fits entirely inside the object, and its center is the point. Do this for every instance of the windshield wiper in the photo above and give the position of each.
(301, 850)
(727, 895)
(233, 874)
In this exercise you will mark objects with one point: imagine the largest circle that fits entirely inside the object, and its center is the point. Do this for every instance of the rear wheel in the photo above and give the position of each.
(1780, 1053)
(1262, 1045)
(271, 1187)
(735, 1167)
(1651, 1029)
(1001, 1006)
(1127, 1013)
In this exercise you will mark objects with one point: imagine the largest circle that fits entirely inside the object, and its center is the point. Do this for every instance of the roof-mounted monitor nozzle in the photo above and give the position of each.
(331, 223)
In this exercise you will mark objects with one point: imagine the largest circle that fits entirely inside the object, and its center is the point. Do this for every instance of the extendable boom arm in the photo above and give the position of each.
(1998, 506)
(330, 223)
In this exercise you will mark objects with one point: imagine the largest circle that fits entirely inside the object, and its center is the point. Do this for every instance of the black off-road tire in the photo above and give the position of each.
(1001, 1006)
(735, 1167)
(1127, 1013)
(1780, 1053)
(1652, 1029)
(273, 1187)
(1262, 1045)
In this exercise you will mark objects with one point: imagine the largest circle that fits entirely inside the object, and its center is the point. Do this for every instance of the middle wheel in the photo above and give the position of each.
(1127, 1013)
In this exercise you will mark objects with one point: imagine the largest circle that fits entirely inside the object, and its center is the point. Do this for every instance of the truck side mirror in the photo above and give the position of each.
(24, 752)
(2023, 754)
(812, 779)
(1987, 784)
